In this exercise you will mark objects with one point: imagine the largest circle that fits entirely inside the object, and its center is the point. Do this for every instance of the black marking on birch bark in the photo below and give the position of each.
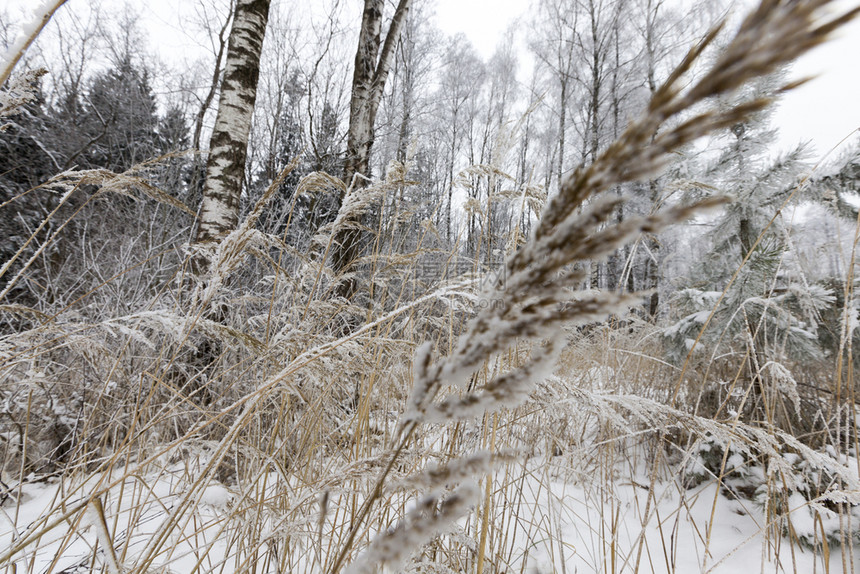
(225, 166)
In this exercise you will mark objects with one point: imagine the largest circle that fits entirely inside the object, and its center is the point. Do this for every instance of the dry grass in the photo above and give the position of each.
(228, 424)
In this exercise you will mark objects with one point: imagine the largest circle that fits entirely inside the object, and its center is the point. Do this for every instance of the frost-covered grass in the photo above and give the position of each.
(249, 420)
(272, 482)
(580, 507)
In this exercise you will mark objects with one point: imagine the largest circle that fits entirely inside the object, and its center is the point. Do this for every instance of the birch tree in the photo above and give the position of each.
(554, 48)
(460, 83)
(373, 60)
(219, 213)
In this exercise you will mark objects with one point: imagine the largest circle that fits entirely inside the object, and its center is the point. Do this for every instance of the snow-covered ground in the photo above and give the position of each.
(553, 518)
(696, 530)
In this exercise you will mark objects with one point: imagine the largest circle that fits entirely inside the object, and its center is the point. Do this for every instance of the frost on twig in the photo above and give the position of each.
(41, 16)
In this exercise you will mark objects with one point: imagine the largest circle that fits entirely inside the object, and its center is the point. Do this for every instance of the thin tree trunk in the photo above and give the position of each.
(562, 125)
(225, 168)
(652, 265)
(213, 86)
(198, 169)
(652, 268)
(372, 66)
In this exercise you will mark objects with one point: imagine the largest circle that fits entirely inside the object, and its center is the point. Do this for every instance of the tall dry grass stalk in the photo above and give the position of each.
(537, 296)
(295, 447)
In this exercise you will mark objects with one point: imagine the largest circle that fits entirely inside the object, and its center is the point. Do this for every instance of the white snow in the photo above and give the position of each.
(568, 519)
(216, 496)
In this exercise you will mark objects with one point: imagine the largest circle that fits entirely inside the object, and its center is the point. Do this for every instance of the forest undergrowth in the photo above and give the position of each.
(159, 419)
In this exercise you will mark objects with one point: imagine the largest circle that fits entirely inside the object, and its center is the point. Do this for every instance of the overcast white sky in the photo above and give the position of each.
(483, 21)
(825, 111)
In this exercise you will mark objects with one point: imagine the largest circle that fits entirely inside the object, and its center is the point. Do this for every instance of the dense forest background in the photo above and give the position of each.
(288, 257)
(483, 147)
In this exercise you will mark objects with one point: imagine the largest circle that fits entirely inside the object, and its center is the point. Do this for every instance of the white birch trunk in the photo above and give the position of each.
(225, 168)
(372, 66)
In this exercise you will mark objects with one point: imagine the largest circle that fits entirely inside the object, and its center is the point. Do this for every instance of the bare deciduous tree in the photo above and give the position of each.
(558, 22)
(218, 51)
(373, 60)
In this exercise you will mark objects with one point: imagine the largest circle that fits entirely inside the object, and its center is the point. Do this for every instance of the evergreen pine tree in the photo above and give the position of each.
(768, 312)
